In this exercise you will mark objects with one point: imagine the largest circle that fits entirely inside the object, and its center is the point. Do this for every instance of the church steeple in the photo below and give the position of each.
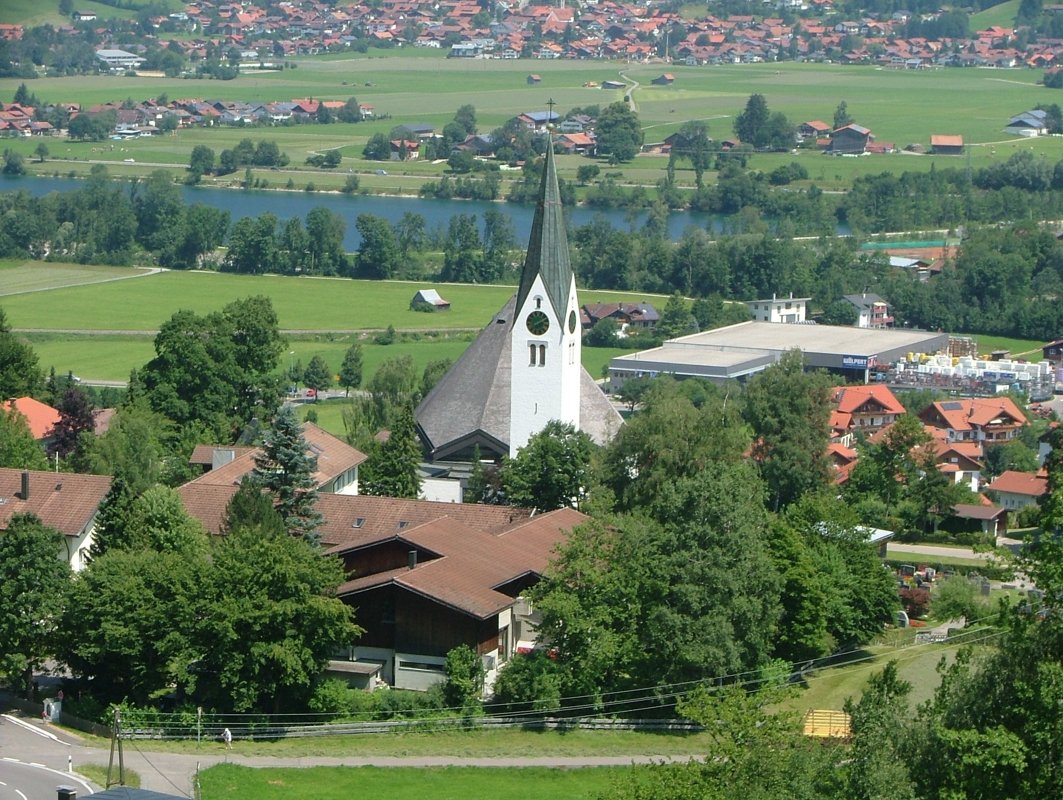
(548, 246)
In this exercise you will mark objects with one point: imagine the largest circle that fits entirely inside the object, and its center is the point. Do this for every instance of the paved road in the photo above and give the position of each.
(34, 761)
(175, 772)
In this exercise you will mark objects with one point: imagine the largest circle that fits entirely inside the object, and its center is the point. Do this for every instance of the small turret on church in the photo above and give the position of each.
(524, 368)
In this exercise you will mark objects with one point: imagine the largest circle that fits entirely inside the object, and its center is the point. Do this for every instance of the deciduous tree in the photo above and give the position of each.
(551, 471)
(18, 448)
(619, 134)
(33, 584)
(788, 411)
(351, 368)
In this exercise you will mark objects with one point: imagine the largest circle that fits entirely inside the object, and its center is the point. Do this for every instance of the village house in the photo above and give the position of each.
(429, 299)
(1029, 123)
(946, 144)
(1017, 490)
(65, 501)
(779, 309)
(986, 420)
(40, 417)
(424, 577)
(641, 316)
(850, 140)
(336, 471)
(868, 408)
(872, 311)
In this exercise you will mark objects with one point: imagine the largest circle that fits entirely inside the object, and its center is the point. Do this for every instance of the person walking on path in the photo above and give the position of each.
(227, 737)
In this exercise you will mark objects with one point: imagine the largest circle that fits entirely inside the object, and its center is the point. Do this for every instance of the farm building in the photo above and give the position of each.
(1028, 123)
(534, 79)
(430, 299)
(850, 140)
(815, 128)
(942, 144)
(666, 79)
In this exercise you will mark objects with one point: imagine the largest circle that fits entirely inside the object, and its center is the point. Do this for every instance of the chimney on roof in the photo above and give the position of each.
(25, 485)
(411, 559)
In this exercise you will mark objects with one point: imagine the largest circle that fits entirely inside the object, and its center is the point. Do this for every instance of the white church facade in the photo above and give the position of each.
(522, 371)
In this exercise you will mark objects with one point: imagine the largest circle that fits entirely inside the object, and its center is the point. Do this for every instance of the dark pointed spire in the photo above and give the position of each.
(548, 246)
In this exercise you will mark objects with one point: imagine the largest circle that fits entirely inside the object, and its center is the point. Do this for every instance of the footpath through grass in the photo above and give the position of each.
(439, 783)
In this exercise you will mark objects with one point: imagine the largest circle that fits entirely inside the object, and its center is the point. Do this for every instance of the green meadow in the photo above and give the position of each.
(35, 12)
(418, 85)
(1002, 14)
(102, 330)
(440, 783)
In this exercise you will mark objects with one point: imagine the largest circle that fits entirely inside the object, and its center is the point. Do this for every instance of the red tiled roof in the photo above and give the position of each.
(40, 417)
(64, 501)
(850, 399)
(968, 413)
(1024, 483)
(354, 521)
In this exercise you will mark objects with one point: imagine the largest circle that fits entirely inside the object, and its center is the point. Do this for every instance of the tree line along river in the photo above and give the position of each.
(437, 213)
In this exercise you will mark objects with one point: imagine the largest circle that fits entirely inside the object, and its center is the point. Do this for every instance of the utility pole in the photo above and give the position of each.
(116, 741)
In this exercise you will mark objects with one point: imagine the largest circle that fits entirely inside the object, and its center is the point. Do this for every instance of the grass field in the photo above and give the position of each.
(302, 304)
(1002, 14)
(329, 312)
(35, 12)
(900, 106)
(110, 358)
(20, 277)
(231, 782)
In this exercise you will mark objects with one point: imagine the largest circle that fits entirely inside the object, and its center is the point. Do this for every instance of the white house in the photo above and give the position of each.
(785, 309)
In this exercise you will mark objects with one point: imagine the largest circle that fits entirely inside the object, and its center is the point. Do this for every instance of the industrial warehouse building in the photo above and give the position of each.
(738, 351)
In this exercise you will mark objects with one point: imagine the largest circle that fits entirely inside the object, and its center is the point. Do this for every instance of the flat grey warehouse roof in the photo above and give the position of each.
(741, 350)
(827, 339)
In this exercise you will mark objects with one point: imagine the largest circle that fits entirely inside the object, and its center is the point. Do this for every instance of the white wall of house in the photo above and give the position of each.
(76, 548)
(1014, 502)
(785, 310)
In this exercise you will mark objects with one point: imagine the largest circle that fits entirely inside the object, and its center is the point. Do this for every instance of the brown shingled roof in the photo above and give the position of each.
(64, 501)
(353, 521)
(473, 564)
(334, 457)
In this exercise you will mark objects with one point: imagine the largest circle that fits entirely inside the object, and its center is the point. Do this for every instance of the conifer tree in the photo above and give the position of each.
(251, 508)
(112, 522)
(392, 471)
(286, 469)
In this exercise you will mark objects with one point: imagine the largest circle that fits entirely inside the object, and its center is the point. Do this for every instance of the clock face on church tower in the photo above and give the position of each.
(538, 323)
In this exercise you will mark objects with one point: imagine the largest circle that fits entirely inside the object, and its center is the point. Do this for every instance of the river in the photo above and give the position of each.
(437, 213)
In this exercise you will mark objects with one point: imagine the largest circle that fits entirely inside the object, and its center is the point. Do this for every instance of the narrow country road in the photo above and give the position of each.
(175, 772)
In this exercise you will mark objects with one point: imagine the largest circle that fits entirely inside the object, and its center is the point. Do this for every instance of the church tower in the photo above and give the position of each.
(545, 331)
